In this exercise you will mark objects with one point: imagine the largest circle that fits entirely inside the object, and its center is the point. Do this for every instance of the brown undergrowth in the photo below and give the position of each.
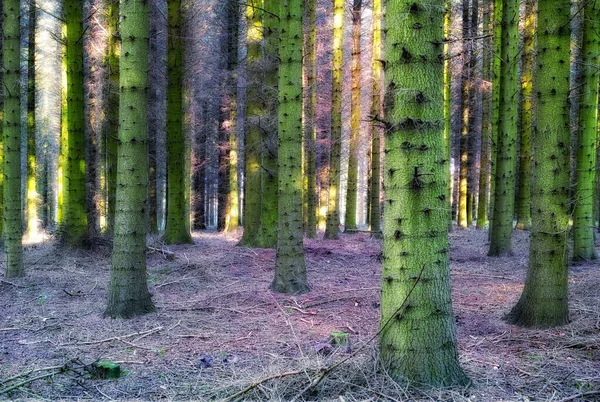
(218, 330)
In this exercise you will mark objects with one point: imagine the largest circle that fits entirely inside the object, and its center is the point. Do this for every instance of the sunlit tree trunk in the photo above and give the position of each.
(585, 175)
(418, 341)
(352, 188)
(74, 227)
(252, 182)
(267, 232)
(464, 154)
(2, 22)
(377, 116)
(523, 202)
(290, 269)
(309, 123)
(128, 292)
(12, 142)
(177, 230)
(506, 147)
(543, 302)
(232, 212)
(333, 213)
(32, 195)
(486, 123)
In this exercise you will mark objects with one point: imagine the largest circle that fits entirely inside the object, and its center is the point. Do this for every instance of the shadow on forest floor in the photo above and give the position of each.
(218, 329)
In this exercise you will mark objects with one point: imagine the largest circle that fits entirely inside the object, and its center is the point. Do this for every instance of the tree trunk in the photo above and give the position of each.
(267, 232)
(585, 175)
(333, 213)
(128, 292)
(463, 188)
(523, 202)
(177, 230)
(377, 116)
(506, 148)
(352, 190)
(12, 142)
(74, 228)
(486, 124)
(252, 182)
(310, 128)
(543, 302)
(418, 339)
(290, 269)
(32, 195)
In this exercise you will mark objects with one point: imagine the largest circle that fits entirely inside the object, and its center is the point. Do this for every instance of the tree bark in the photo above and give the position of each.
(418, 342)
(12, 142)
(543, 302)
(290, 268)
(128, 292)
(377, 116)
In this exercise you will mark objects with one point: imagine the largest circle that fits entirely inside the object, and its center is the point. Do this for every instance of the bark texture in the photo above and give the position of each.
(177, 229)
(290, 268)
(128, 292)
(418, 340)
(543, 302)
(377, 116)
(12, 142)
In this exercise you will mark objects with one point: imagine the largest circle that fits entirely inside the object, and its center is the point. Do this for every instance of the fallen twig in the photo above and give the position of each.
(168, 254)
(573, 397)
(30, 372)
(115, 338)
(13, 284)
(25, 382)
(262, 381)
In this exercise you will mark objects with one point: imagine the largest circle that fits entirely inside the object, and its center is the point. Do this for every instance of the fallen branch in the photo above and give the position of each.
(13, 284)
(168, 254)
(262, 381)
(10, 329)
(573, 397)
(30, 372)
(25, 382)
(115, 338)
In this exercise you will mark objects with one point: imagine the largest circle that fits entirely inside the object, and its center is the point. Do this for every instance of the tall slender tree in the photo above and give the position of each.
(12, 142)
(376, 117)
(309, 122)
(523, 202)
(585, 174)
(543, 302)
(252, 145)
(486, 122)
(418, 340)
(177, 229)
(74, 227)
(32, 195)
(352, 187)
(332, 228)
(506, 125)
(128, 291)
(267, 232)
(290, 269)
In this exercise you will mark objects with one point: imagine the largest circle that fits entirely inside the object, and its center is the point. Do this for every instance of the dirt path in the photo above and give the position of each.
(218, 329)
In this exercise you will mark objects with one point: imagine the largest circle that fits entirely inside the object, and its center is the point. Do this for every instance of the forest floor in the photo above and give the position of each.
(218, 329)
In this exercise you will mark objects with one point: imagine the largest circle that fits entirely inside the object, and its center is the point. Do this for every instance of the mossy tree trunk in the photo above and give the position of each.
(32, 195)
(12, 142)
(252, 182)
(310, 127)
(74, 227)
(128, 292)
(543, 302)
(523, 202)
(112, 111)
(418, 342)
(377, 116)
(332, 227)
(486, 123)
(352, 188)
(506, 146)
(267, 232)
(585, 175)
(290, 269)
(177, 229)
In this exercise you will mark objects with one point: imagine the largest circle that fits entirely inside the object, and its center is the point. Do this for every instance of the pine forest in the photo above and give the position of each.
(300, 200)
